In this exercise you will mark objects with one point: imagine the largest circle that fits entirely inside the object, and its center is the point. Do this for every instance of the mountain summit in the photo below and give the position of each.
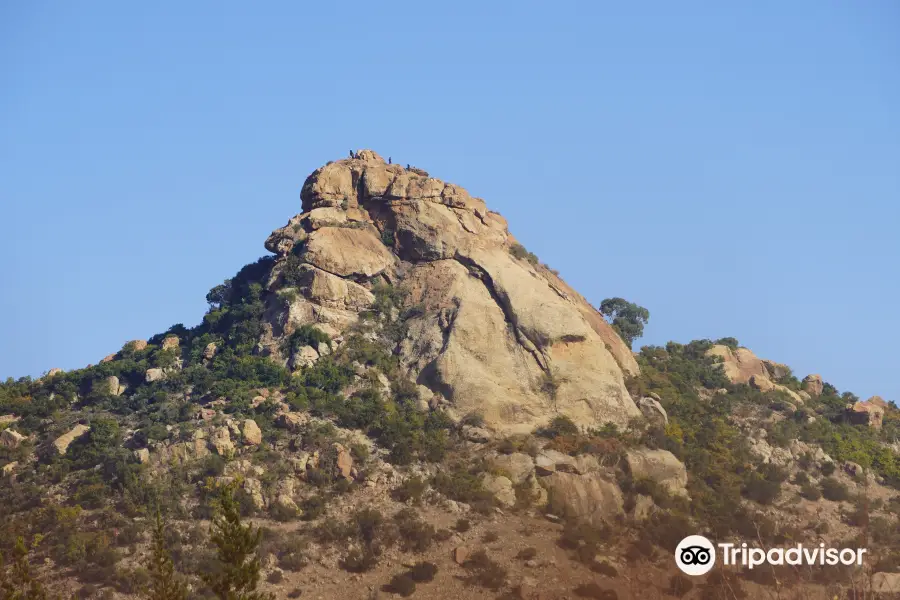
(486, 328)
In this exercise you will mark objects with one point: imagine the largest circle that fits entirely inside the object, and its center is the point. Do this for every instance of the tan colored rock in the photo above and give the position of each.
(591, 498)
(653, 411)
(53, 372)
(339, 461)
(761, 383)
(137, 345)
(489, 331)
(251, 432)
(878, 401)
(776, 370)
(304, 357)
(291, 421)
(548, 462)
(11, 439)
(886, 583)
(501, 487)
(209, 352)
(142, 455)
(154, 375)
(517, 466)
(347, 252)
(460, 554)
(6, 419)
(62, 442)
(170, 342)
(660, 466)
(813, 384)
(9, 467)
(644, 507)
(108, 385)
(866, 413)
(253, 488)
(221, 441)
(739, 365)
(108, 358)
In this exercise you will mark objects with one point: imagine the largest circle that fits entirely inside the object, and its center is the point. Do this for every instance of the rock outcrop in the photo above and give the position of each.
(813, 385)
(11, 439)
(491, 332)
(660, 466)
(62, 442)
(866, 413)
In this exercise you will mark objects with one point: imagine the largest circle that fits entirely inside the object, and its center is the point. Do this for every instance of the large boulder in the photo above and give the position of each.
(11, 439)
(591, 499)
(813, 385)
(886, 583)
(866, 413)
(660, 466)
(221, 441)
(62, 442)
(653, 411)
(251, 433)
(739, 365)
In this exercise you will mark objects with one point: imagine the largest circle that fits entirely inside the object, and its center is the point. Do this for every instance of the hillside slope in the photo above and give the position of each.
(402, 392)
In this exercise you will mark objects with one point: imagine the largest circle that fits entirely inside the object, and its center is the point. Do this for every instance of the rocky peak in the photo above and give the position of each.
(493, 331)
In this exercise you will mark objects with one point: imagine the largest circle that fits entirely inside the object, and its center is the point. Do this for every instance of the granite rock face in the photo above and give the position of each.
(491, 333)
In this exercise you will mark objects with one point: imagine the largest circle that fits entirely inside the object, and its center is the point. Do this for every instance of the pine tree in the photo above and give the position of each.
(165, 583)
(236, 546)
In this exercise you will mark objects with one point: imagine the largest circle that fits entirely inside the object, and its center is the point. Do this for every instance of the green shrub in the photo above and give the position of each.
(423, 572)
(416, 535)
(518, 251)
(402, 584)
(485, 572)
(410, 490)
(834, 490)
(810, 492)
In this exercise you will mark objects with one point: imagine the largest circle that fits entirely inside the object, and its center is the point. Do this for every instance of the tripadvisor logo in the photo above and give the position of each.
(696, 555)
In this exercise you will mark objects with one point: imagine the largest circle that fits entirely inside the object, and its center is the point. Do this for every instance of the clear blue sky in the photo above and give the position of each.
(734, 167)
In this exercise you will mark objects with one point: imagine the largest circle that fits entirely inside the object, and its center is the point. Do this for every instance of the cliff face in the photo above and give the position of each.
(486, 328)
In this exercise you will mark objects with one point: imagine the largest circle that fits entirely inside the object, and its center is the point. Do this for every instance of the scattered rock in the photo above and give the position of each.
(587, 498)
(886, 583)
(252, 435)
(739, 365)
(62, 442)
(304, 357)
(660, 466)
(108, 358)
(476, 435)
(6, 419)
(142, 455)
(8, 468)
(501, 487)
(291, 421)
(210, 351)
(221, 441)
(517, 465)
(10, 438)
(866, 413)
(653, 411)
(644, 508)
(460, 554)
(170, 342)
(548, 462)
(137, 345)
(813, 385)
(53, 372)
(154, 375)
